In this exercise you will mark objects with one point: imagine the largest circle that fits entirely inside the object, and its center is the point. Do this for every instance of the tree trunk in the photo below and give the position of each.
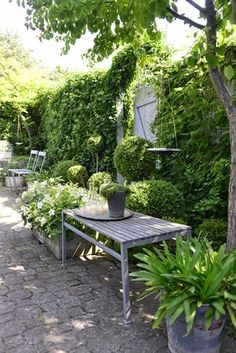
(231, 238)
(226, 98)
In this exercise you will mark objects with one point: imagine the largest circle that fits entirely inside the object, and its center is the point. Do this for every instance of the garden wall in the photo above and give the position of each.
(84, 106)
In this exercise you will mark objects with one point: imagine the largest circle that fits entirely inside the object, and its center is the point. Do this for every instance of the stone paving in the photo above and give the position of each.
(47, 308)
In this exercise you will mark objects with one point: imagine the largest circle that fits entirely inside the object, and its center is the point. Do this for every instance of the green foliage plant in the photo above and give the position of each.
(94, 145)
(125, 20)
(214, 229)
(108, 190)
(193, 276)
(84, 106)
(157, 198)
(78, 174)
(62, 167)
(42, 203)
(132, 159)
(97, 179)
(199, 126)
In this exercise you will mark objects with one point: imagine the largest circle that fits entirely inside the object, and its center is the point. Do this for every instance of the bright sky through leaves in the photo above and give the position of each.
(12, 19)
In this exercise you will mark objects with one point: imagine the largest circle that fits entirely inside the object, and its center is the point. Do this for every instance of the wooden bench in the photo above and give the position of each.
(138, 230)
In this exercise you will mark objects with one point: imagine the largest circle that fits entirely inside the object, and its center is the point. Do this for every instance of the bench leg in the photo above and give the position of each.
(63, 240)
(125, 282)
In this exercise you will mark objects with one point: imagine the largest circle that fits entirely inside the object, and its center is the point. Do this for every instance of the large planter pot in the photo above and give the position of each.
(116, 205)
(11, 183)
(75, 246)
(198, 340)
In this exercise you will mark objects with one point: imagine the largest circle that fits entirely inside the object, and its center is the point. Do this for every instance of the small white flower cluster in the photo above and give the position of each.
(41, 205)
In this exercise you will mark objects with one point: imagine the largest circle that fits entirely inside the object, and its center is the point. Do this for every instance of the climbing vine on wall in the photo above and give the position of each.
(190, 117)
(84, 106)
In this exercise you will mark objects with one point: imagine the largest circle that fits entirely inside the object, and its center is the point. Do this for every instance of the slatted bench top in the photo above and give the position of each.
(139, 228)
(135, 231)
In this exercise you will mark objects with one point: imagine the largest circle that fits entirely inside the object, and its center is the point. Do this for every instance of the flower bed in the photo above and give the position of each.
(41, 206)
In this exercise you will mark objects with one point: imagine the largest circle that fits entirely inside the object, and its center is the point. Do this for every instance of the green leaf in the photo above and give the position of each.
(232, 315)
(229, 72)
(209, 316)
(219, 307)
(177, 313)
(212, 61)
(221, 50)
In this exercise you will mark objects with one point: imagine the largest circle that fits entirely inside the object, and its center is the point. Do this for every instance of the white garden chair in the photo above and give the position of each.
(35, 164)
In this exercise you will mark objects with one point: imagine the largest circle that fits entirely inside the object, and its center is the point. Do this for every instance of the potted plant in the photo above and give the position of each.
(115, 194)
(196, 287)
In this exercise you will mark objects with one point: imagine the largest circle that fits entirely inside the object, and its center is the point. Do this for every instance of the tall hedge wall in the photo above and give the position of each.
(84, 106)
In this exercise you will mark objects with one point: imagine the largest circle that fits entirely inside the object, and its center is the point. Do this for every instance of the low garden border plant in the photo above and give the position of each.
(41, 205)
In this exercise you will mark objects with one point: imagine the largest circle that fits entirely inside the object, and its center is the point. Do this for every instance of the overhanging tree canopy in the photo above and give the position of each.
(115, 22)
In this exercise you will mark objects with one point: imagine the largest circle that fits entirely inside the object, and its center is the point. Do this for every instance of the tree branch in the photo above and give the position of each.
(185, 19)
(196, 6)
(221, 89)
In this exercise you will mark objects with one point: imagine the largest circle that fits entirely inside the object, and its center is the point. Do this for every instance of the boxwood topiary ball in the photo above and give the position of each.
(78, 175)
(132, 160)
(62, 167)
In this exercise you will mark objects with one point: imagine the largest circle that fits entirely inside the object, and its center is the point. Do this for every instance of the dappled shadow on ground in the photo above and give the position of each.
(8, 210)
(77, 308)
(74, 308)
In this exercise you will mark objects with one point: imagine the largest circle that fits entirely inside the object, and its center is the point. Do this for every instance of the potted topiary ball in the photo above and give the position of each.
(115, 195)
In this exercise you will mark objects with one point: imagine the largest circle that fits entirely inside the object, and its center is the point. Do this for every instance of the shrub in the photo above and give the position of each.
(78, 174)
(157, 198)
(97, 179)
(62, 167)
(132, 159)
(215, 230)
(21, 161)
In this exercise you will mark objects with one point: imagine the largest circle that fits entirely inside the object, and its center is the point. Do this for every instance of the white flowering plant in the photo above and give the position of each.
(41, 205)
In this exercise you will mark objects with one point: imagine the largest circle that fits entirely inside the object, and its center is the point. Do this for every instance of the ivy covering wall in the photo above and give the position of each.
(191, 118)
(84, 106)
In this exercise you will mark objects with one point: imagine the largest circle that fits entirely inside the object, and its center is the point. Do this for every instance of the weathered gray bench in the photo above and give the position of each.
(138, 230)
